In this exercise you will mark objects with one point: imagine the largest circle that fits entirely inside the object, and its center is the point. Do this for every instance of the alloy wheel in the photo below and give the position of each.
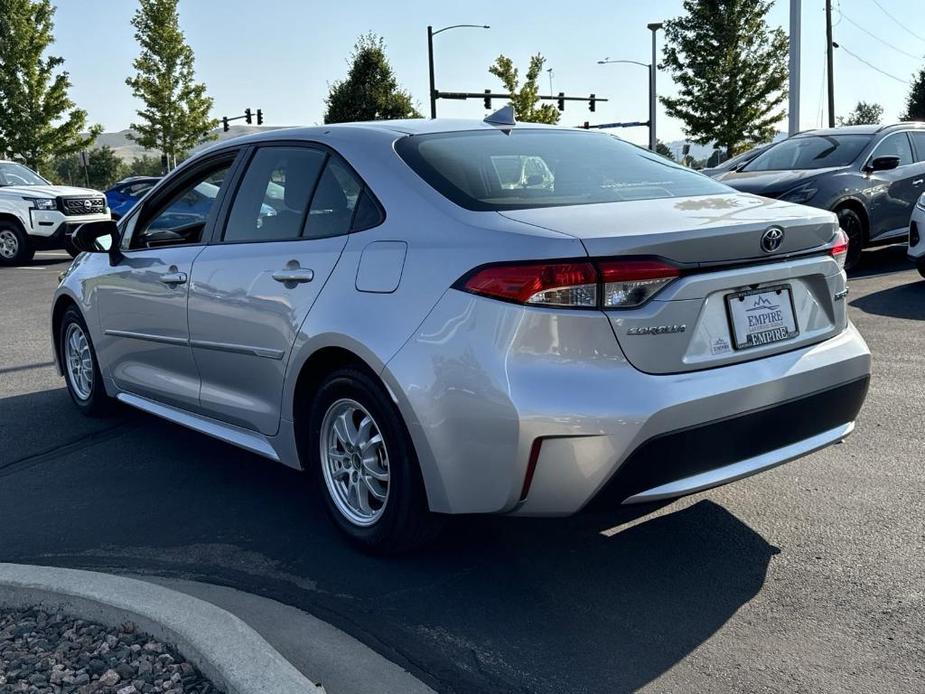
(9, 244)
(355, 462)
(79, 361)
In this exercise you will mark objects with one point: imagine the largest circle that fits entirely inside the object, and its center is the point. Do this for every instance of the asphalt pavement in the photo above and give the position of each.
(809, 577)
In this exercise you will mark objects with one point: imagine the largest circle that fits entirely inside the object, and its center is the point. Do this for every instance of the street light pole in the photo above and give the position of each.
(793, 124)
(430, 58)
(653, 141)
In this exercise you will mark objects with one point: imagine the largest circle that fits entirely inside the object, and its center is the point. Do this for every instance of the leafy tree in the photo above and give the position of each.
(38, 120)
(175, 117)
(370, 91)
(145, 166)
(863, 114)
(525, 98)
(664, 150)
(731, 72)
(915, 102)
(103, 169)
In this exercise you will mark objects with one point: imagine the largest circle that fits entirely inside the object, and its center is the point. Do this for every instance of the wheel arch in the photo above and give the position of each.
(10, 217)
(62, 303)
(857, 206)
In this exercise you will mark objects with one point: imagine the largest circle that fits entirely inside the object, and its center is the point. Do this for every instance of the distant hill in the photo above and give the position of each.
(127, 150)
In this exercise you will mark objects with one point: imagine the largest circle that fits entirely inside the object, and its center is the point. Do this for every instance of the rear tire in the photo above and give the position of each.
(364, 461)
(15, 247)
(920, 266)
(80, 366)
(852, 224)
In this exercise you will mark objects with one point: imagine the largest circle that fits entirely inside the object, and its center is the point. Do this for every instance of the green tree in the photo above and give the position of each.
(863, 114)
(664, 150)
(103, 168)
(145, 166)
(731, 72)
(524, 98)
(370, 90)
(915, 102)
(38, 120)
(175, 117)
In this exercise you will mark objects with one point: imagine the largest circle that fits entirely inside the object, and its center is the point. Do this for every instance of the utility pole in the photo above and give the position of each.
(430, 67)
(793, 124)
(829, 61)
(653, 27)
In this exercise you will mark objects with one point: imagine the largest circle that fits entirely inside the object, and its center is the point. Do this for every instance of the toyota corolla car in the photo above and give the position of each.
(869, 175)
(425, 338)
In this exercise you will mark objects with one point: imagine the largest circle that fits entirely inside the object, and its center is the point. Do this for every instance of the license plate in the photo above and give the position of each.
(761, 316)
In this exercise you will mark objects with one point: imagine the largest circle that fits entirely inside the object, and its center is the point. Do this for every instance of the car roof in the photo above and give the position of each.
(862, 129)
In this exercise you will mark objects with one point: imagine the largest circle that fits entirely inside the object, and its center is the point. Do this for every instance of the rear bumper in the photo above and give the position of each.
(533, 412)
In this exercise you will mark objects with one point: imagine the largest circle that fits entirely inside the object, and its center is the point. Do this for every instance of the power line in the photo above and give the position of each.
(904, 27)
(877, 38)
(872, 67)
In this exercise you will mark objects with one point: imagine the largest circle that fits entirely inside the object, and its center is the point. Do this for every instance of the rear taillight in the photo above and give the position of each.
(629, 283)
(592, 284)
(840, 250)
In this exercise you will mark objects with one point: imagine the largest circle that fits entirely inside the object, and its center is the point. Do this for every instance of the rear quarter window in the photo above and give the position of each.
(525, 168)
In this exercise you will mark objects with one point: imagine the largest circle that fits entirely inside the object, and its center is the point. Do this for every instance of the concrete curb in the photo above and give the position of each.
(225, 649)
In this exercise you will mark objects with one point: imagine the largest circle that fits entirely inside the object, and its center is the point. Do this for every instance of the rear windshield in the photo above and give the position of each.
(523, 168)
(810, 152)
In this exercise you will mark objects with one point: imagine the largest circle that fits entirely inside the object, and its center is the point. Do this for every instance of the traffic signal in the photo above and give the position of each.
(591, 103)
(247, 116)
(487, 100)
(561, 101)
(225, 123)
(259, 117)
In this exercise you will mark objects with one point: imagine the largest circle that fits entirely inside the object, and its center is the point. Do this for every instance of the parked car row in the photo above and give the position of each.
(871, 176)
(443, 317)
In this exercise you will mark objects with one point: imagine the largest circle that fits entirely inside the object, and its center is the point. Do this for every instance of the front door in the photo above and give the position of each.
(891, 206)
(254, 286)
(143, 299)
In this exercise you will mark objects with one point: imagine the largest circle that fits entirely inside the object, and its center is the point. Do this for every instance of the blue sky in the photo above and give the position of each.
(281, 55)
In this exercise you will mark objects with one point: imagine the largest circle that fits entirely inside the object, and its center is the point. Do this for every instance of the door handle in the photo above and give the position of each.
(174, 278)
(298, 275)
(918, 181)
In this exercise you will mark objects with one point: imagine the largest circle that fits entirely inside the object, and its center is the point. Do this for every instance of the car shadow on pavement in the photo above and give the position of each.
(902, 301)
(881, 261)
(596, 602)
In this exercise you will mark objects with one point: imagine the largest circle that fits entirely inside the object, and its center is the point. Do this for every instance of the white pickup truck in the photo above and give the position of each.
(35, 215)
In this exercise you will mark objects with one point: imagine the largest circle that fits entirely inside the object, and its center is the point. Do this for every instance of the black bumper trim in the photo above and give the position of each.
(705, 447)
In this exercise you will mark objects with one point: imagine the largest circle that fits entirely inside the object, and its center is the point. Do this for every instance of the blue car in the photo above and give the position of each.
(124, 194)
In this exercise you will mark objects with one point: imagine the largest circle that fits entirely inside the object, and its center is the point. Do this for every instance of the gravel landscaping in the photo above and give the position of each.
(53, 653)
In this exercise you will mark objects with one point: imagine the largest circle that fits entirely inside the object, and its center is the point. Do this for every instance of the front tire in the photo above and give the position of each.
(851, 223)
(920, 266)
(15, 248)
(366, 466)
(80, 366)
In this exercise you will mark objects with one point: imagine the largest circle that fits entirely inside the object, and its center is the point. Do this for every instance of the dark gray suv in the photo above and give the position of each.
(869, 175)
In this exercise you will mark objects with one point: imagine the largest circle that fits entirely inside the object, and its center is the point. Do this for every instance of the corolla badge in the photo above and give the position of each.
(771, 239)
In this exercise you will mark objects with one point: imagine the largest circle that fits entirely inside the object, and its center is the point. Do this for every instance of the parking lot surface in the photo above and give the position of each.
(810, 577)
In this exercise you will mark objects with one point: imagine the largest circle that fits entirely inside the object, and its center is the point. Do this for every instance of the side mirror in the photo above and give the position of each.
(98, 237)
(884, 163)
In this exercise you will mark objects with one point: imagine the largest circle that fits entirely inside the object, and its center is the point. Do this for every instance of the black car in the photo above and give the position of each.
(870, 175)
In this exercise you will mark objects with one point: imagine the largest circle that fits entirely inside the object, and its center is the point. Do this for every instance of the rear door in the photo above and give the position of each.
(142, 300)
(253, 287)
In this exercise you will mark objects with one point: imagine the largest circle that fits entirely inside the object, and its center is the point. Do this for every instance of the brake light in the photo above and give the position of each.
(546, 284)
(629, 283)
(840, 250)
(592, 284)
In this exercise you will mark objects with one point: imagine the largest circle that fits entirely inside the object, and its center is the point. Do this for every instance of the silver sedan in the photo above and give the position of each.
(448, 317)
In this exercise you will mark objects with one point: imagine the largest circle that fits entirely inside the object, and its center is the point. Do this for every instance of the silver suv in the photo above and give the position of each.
(384, 306)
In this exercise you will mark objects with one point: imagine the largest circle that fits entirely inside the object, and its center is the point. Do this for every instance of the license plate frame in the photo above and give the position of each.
(771, 335)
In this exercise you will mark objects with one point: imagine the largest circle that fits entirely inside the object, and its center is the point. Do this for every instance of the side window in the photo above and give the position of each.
(918, 139)
(272, 200)
(896, 145)
(181, 218)
(336, 197)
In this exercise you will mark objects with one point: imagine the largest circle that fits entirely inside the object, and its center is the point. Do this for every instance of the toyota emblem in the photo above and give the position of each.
(771, 239)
